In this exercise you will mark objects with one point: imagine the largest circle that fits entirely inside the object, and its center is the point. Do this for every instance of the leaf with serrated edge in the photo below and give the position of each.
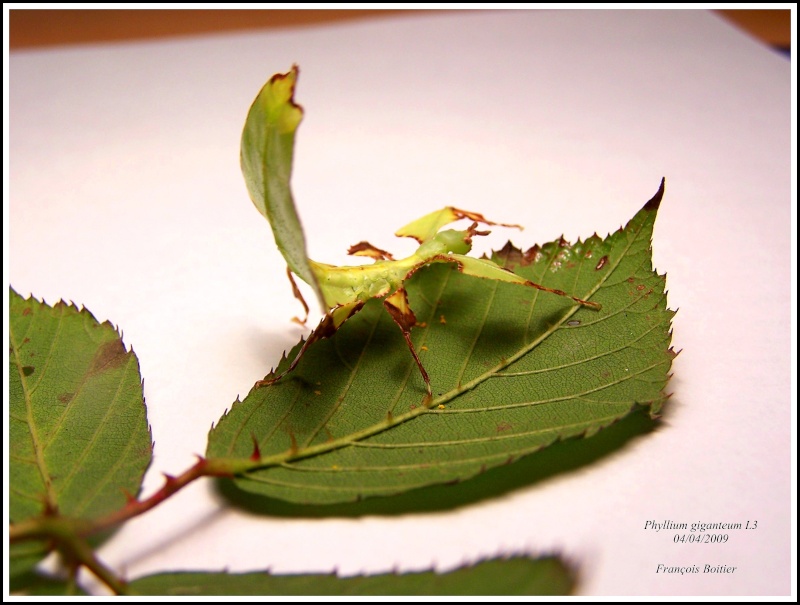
(79, 439)
(513, 576)
(513, 370)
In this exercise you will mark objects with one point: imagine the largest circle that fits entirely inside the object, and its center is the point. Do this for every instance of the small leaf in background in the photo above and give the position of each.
(513, 371)
(514, 576)
(79, 439)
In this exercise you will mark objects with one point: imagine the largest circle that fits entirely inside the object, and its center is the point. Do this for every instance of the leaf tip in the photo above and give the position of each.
(655, 201)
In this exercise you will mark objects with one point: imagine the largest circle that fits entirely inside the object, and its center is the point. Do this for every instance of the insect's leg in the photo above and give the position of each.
(426, 227)
(403, 316)
(481, 267)
(580, 301)
(367, 249)
(326, 328)
(299, 296)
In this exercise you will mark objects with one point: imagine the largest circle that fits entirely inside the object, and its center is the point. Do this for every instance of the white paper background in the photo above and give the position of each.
(126, 196)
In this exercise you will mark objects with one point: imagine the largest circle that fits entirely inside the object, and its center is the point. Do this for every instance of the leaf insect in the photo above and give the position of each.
(267, 149)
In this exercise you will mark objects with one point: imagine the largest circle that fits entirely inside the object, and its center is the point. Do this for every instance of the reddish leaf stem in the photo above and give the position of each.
(202, 468)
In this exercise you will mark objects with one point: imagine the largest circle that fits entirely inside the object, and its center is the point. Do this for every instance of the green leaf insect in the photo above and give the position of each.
(266, 158)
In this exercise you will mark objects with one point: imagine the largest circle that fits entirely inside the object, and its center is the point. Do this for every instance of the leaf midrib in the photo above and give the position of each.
(50, 495)
(298, 454)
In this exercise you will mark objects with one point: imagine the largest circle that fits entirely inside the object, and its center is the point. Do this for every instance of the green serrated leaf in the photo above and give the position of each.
(514, 576)
(513, 371)
(79, 439)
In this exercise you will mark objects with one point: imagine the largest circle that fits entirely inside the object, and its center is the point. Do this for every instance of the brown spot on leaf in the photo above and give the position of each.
(630, 280)
(66, 397)
(640, 287)
(442, 320)
(601, 263)
(27, 311)
(111, 355)
(28, 370)
(510, 256)
(26, 340)
(504, 426)
(531, 255)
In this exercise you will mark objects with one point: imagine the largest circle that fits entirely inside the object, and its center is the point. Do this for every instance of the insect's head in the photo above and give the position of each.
(449, 241)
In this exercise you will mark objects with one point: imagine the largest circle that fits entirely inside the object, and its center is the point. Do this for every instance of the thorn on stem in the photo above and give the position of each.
(256, 455)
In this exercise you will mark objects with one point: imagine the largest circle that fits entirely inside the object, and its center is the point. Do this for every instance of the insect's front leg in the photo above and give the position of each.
(400, 311)
(326, 328)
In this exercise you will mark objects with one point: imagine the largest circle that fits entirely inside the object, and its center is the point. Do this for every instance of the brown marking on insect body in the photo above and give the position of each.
(655, 201)
(504, 426)
(475, 216)
(601, 263)
(398, 307)
(109, 356)
(278, 77)
(66, 397)
(27, 311)
(367, 249)
(28, 370)
(472, 231)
